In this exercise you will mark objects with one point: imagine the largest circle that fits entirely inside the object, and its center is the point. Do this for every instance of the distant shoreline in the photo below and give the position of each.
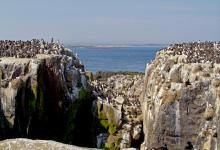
(116, 46)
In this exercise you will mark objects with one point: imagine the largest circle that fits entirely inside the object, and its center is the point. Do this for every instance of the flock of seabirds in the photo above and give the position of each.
(29, 49)
(197, 52)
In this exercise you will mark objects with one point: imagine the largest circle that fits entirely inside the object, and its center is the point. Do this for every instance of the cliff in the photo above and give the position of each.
(45, 94)
(180, 99)
(42, 95)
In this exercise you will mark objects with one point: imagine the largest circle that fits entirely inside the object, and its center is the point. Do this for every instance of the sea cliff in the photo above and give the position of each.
(180, 99)
(46, 94)
(43, 89)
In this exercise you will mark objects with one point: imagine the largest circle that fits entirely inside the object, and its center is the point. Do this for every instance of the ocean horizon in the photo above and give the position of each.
(114, 59)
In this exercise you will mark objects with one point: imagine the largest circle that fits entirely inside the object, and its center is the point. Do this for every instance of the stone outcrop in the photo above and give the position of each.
(27, 144)
(42, 96)
(180, 99)
(119, 110)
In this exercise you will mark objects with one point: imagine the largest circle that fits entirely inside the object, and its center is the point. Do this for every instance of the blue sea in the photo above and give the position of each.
(116, 59)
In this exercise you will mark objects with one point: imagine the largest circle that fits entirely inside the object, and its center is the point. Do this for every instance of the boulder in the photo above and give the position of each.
(27, 144)
(137, 132)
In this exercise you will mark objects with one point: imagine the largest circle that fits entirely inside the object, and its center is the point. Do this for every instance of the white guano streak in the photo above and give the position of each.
(177, 122)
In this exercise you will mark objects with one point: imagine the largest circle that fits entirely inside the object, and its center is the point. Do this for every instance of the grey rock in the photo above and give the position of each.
(27, 144)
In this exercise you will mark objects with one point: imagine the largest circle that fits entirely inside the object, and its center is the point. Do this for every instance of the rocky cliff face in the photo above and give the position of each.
(119, 111)
(180, 99)
(42, 96)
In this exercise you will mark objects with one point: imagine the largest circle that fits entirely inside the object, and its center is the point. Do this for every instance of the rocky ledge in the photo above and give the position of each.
(180, 99)
(119, 110)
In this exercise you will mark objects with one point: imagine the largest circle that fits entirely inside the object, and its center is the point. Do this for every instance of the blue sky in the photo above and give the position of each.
(111, 21)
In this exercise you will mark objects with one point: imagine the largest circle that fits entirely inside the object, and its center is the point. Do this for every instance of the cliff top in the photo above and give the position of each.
(29, 49)
(196, 52)
(23, 52)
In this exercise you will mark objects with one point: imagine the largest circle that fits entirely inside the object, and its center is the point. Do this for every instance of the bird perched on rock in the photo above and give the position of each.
(189, 146)
(161, 148)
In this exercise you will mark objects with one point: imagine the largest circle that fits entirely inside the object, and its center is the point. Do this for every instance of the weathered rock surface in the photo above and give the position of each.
(42, 97)
(26, 144)
(44, 94)
(119, 109)
(180, 99)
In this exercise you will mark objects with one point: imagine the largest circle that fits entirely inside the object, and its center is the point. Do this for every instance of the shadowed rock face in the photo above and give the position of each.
(41, 97)
(180, 99)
